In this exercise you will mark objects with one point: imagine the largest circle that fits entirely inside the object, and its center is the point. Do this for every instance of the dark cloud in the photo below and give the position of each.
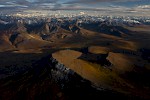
(96, 1)
(58, 3)
(111, 6)
(27, 2)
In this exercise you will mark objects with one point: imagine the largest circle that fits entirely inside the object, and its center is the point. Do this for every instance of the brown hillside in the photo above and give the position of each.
(96, 74)
(98, 50)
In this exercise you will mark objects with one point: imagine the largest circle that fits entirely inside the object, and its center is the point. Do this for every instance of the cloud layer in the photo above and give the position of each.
(131, 6)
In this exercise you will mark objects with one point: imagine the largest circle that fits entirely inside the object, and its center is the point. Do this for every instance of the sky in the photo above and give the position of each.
(110, 6)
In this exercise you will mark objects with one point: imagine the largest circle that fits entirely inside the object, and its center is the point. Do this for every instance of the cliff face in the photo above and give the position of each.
(51, 79)
(47, 79)
(60, 73)
(75, 85)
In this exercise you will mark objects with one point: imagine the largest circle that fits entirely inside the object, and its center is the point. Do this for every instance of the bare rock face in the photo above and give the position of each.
(21, 27)
(47, 28)
(98, 50)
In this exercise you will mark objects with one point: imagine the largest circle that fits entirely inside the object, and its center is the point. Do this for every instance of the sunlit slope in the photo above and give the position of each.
(5, 44)
(123, 63)
(98, 50)
(98, 75)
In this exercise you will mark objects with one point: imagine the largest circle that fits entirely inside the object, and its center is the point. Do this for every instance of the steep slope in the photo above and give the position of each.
(27, 41)
(42, 77)
(102, 78)
(105, 28)
(49, 31)
(5, 44)
(60, 34)
(132, 68)
(122, 63)
(121, 76)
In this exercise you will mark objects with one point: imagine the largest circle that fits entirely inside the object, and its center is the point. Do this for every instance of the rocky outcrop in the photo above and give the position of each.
(59, 71)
